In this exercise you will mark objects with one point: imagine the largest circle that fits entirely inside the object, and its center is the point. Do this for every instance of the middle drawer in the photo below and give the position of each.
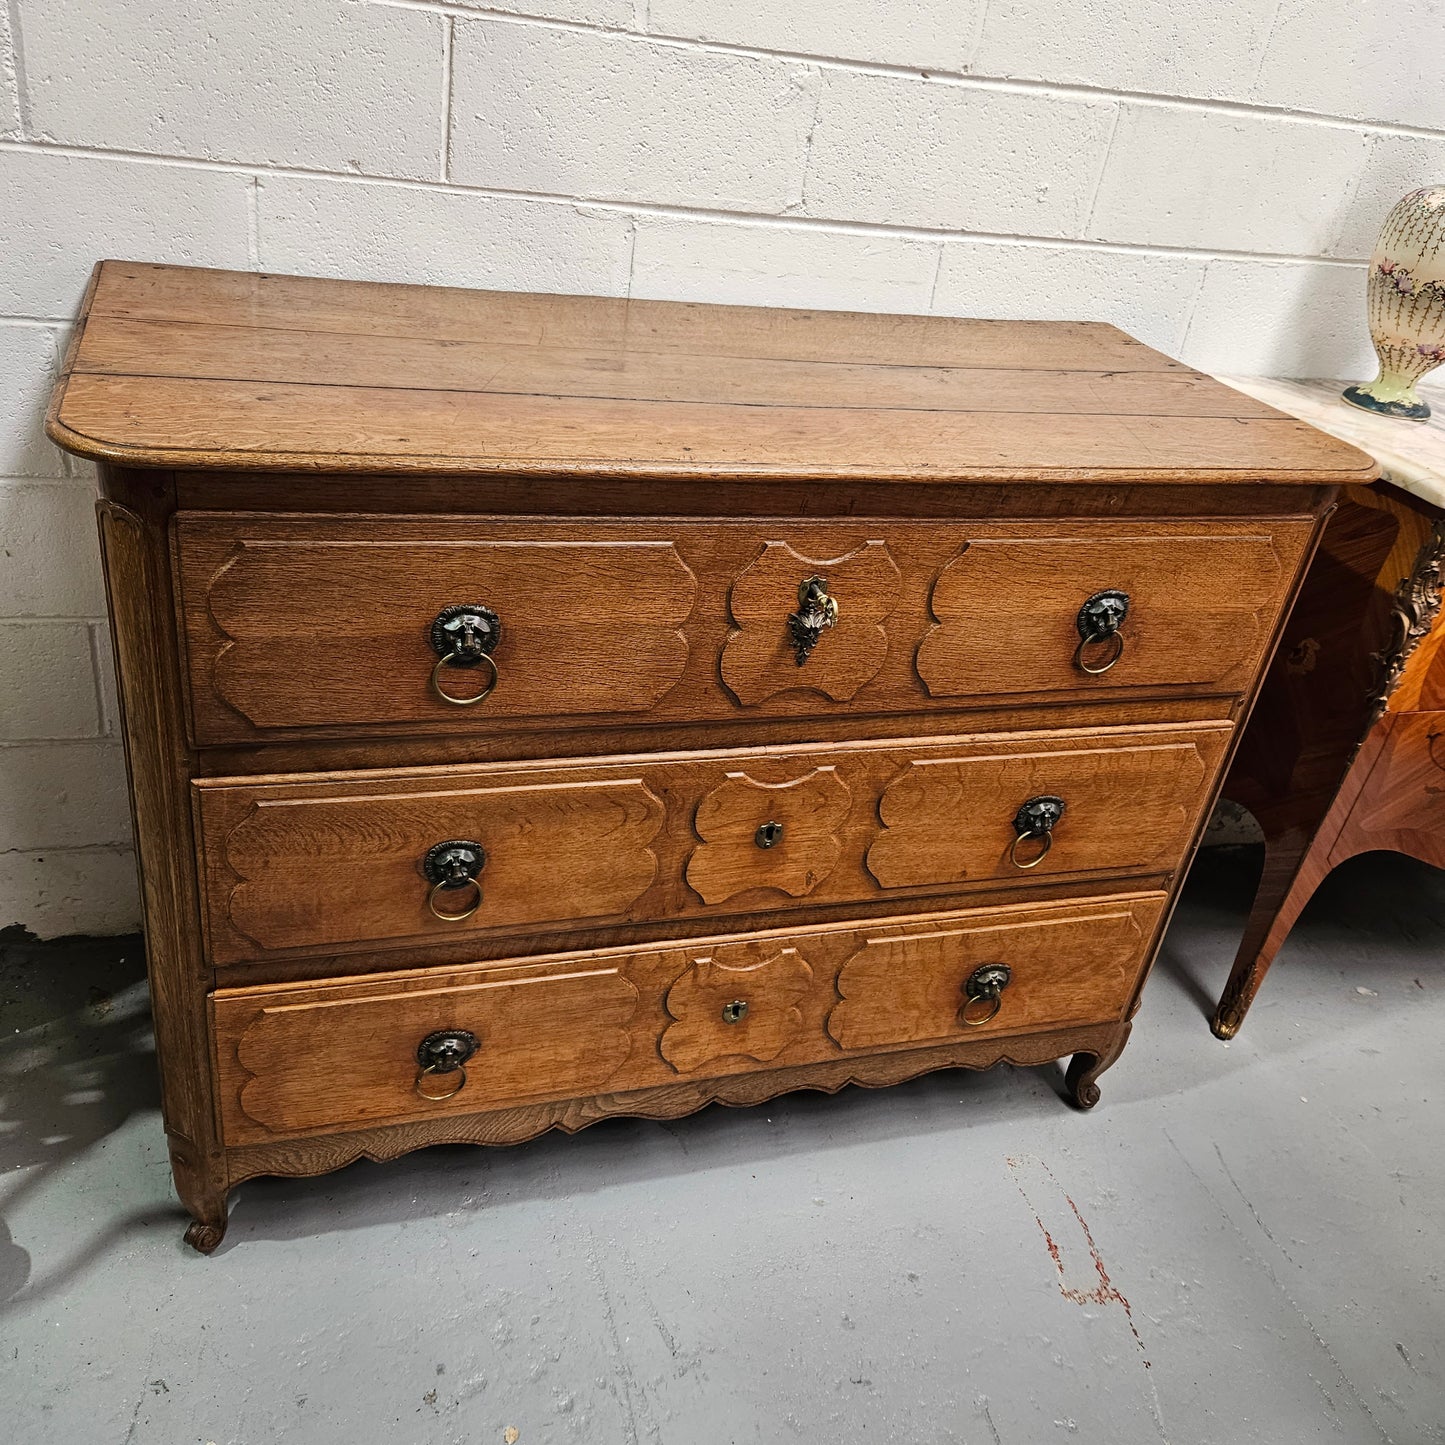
(419, 856)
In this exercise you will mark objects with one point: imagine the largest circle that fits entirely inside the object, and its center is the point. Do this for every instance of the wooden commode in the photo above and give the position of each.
(541, 708)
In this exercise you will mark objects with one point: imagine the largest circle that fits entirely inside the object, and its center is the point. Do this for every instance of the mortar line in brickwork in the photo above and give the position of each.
(631, 255)
(937, 273)
(17, 58)
(93, 742)
(449, 51)
(16, 479)
(253, 221)
(1103, 169)
(88, 619)
(932, 75)
(676, 212)
(1267, 41)
(1193, 311)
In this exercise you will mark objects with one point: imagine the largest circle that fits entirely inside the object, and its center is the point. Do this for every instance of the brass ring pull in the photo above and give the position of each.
(985, 985)
(464, 635)
(994, 1002)
(1036, 818)
(432, 1069)
(442, 1054)
(445, 886)
(466, 702)
(1117, 638)
(453, 867)
(1013, 852)
(1099, 620)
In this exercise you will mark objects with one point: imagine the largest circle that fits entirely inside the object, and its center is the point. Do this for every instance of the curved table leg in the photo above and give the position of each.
(203, 1192)
(1080, 1083)
(1291, 876)
(1296, 862)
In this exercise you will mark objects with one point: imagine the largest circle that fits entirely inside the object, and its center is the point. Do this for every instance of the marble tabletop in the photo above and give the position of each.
(1411, 454)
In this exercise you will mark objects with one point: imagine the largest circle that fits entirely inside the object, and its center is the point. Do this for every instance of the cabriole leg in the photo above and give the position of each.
(1080, 1083)
(203, 1193)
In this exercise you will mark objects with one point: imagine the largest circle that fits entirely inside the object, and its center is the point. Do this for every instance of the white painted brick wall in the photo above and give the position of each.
(929, 34)
(1208, 174)
(1153, 47)
(9, 85)
(620, 118)
(1362, 58)
(1151, 294)
(895, 150)
(324, 84)
(1234, 182)
(771, 265)
(377, 232)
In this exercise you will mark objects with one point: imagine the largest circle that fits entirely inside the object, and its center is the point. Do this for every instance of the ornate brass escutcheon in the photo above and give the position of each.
(985, 985)
(1036, 818)
(464, 635)
(769, 835)
(816, 611)
(1099, 621)
(452, 866)
(442, 1054)
(735, 1012)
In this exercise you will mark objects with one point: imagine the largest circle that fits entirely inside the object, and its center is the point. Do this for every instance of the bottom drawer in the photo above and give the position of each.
(297, 1059)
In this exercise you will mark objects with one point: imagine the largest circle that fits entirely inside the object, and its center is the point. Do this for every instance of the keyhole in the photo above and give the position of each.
(735, 1011)
(769, 835)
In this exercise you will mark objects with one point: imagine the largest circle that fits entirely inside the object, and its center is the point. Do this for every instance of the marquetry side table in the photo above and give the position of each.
(1345, 751)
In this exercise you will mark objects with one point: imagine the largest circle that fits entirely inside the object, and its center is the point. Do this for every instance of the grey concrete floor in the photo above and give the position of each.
(1242, 1243)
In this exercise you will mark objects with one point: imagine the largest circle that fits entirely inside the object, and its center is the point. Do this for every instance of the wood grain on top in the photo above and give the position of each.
(176, 366)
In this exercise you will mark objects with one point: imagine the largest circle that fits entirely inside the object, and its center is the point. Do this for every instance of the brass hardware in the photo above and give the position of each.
(984, 985)
(1037, 818)
(464, 636)
(1416, 604)
(442, 1054)
(769, 835)
(451, 866)
(1099, 620)
(816, 610)
(735, 1012)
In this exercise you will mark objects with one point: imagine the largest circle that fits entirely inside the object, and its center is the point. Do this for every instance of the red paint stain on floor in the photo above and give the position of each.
(1105, 1292)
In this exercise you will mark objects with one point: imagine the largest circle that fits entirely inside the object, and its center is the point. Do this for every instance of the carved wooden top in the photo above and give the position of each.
(175, 366)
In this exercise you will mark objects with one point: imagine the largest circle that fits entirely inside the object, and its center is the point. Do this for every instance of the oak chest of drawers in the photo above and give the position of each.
(540, 708)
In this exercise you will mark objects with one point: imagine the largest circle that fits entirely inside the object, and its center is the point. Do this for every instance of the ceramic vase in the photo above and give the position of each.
(1406, 298)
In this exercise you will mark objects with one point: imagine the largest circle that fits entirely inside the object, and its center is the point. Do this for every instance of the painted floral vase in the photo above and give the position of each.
(1406, 298)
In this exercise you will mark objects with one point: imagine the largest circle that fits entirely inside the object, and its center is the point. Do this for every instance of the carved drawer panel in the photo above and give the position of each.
(1005, 975)
(343, 624)
(312, 865)
(1069, 804)
(1189, 610)
(786, 836)
(352, 626)
(344, 1055)
(853, 595)
(740, 1001)
(430, 857)
(296, 1059)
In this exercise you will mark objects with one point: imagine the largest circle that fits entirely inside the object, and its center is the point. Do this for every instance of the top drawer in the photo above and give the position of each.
(331, 626)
